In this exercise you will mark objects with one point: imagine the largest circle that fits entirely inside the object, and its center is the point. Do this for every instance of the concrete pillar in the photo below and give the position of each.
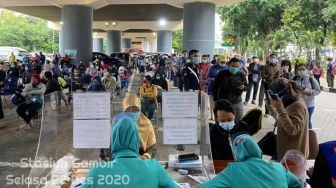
(199, 27)
(126, 43)
(76, 35)
(145, 46)
(113, 41)
(97, 44)
(154, 45)
(60, 43)
(164, 41)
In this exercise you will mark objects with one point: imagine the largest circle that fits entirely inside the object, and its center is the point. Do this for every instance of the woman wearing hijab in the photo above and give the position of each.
(148, 147)
(127, 169)
(251, 171)
(96, 85)
(291, 114)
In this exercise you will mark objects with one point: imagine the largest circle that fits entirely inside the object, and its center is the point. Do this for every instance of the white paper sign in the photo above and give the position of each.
(91, 105)
(91, 133)
(180, 131)
(180, 104)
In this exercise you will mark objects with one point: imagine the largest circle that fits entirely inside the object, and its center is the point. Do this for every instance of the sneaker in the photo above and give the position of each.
(245, 103)
(254, 102)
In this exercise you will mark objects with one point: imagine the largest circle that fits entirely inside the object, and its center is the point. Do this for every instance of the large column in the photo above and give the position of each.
(60, 43)
(126, 43)
(76, 35)
(154, 45)
(113, 41)
(164, 41)
(97, 44)
(145, 46)
(199, 27)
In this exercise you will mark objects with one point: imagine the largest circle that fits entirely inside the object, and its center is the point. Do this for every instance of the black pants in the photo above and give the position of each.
(1, 111)
(255, 86)
(262, 93)
(317, 77)
(23, 108)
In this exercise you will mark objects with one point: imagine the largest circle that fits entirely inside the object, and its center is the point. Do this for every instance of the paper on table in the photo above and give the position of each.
(91, 105)
(91, 133)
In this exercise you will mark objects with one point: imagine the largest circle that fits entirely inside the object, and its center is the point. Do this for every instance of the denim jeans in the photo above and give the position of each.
(310, 113)
(148, 107)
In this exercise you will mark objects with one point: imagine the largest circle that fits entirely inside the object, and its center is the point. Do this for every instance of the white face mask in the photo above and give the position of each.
(228, 126)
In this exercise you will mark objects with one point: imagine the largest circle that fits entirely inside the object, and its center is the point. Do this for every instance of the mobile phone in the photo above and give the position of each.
(187, 157)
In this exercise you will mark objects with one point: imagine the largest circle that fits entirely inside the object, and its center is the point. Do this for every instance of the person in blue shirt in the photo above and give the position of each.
(251, 171)
(127, 169)
(214, 70)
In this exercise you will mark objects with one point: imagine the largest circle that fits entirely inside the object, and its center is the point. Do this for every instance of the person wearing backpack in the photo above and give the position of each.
(330, 72)
(309, 88)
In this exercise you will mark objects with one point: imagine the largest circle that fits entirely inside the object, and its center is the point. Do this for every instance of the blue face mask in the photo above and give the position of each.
(196, 59)
(136, 117)
(234, 70)
(302, 73)
(228, 126)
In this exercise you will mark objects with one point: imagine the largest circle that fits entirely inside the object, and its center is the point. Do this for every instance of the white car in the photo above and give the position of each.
(5, 52)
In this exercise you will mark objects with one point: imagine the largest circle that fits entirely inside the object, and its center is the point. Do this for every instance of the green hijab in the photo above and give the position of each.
(125, 138)
(245, 147)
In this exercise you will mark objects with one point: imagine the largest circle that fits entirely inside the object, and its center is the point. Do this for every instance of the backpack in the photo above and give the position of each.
(333, 69)
(62, 82)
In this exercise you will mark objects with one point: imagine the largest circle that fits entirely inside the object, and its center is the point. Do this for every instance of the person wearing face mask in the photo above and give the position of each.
(33, 93)
(213, 71)
(230, 84)
(190, 71)
(148, 147)
(251, 170)
(291, 115)
(203, 73)
(253, 80)
(109, 81)
(148, 95)
(309, 88)
(225, 128)
(269, 73)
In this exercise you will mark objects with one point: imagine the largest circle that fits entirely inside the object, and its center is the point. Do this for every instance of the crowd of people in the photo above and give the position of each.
(286, 93)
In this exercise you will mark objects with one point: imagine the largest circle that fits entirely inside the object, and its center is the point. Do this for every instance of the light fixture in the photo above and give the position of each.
(95, 33)
(162, 22)
(107, 24)
(61, 23)
(154, 34)
(114, 24)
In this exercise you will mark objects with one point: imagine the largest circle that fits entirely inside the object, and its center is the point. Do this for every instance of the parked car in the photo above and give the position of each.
(5, 52)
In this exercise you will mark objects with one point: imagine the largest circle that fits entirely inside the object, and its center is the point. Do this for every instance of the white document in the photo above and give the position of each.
(180, 131)
(180, 104)
(92, 105)
(91, 133)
